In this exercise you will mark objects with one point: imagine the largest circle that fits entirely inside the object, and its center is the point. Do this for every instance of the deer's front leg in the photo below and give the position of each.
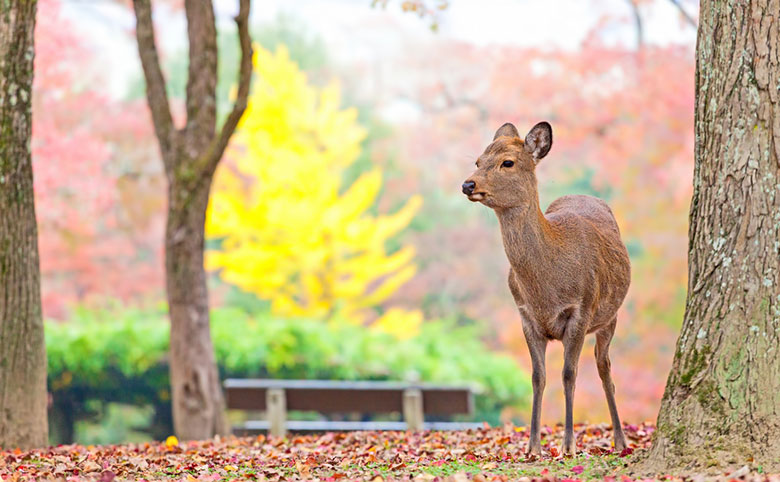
(573, 339)
(537, 345)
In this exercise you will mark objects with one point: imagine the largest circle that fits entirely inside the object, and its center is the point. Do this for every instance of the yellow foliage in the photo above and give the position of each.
(400, 323)
(290, 232)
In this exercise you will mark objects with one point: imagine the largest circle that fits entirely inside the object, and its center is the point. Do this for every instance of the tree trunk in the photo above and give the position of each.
(62, 429)
(23, 394)
(190, 156)
(721, 406)
(198, 405)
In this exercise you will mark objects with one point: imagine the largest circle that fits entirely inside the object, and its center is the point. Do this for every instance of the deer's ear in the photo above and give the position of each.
(507, 130)
(538, 141)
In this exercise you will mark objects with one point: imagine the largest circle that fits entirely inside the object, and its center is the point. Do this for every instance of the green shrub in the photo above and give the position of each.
(121, 356)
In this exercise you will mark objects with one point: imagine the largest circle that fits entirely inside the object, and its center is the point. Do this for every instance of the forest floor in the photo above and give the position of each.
(490, 454)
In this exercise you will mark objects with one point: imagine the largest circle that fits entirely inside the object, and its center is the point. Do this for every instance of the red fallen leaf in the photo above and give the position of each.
(545, 471)
(626, 451)
(577, 469)
(438, 463)
(554, 452)
(107, 476)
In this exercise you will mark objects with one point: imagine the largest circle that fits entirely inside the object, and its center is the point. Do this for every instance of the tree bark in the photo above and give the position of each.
(198, 406)
(190, 156)
(721, 406)
(23, 396)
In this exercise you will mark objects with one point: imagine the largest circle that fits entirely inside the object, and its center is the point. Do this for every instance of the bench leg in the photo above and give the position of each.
(276, 406)
(413, 409)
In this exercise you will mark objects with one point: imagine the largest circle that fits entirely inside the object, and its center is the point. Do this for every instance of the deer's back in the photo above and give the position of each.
(591, 231)
(576, 208)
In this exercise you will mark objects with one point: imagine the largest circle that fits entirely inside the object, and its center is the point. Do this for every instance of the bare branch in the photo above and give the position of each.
(637, 22)
(691, 21)
(155, 82)
(218, 145)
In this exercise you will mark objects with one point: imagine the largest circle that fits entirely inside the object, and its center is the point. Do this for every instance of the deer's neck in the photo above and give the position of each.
(529, 239)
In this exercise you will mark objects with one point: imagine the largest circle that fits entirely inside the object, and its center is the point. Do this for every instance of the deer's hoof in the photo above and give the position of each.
(620, 444)
(570, 449)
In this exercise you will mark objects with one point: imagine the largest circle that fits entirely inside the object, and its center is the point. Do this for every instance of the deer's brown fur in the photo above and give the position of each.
(569, 268)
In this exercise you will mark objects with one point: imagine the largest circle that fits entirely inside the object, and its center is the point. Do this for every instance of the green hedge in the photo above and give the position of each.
(121, 356)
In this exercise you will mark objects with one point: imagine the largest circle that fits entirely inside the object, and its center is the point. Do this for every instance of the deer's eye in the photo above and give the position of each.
(507, 164)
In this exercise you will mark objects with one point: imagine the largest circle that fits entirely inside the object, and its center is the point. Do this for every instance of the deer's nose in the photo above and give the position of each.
(468, 187)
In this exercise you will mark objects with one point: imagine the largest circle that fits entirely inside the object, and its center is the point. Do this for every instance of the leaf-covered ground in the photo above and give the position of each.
(490, 454)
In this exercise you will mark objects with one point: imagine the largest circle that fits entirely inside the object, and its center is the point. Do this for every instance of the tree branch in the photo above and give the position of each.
(201, 73)
(637, 22)
(685, 14)
(155, 82)
(218, 145)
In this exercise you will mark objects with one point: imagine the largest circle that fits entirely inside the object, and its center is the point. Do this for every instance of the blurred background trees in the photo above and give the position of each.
(412, 110)
(281, 207)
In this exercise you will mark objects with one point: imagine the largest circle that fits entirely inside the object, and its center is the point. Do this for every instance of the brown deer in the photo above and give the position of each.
(569, 268)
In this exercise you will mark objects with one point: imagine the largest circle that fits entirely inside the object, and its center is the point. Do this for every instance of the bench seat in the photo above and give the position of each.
(413, 400)
(318, 426)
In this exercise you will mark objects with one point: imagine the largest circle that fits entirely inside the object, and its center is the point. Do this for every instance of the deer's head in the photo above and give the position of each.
(505, 171)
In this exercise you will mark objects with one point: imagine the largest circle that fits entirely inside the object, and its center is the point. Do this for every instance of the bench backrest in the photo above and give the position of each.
(327, 396)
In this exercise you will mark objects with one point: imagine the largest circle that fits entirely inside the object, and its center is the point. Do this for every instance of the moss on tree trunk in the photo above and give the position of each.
(22, 353)
(721, 406)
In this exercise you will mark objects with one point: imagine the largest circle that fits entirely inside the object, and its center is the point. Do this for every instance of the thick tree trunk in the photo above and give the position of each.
(722, 400)
(22, 354)
(198, 406)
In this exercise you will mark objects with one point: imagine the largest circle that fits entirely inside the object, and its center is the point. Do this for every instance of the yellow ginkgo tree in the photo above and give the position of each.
(289, 230)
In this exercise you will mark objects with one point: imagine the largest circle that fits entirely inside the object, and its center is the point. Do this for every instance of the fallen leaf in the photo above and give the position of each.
(171, 441)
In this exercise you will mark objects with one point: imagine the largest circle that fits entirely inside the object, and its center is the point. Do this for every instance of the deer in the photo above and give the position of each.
(569, 269)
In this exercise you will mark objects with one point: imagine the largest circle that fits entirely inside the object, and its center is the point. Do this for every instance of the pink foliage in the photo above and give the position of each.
(87, 151)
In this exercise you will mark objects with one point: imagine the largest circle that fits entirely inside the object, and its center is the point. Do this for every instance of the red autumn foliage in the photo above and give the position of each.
(98, 198)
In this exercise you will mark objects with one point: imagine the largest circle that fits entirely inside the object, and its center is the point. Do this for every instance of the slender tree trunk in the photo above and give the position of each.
(62, 428)
(722, 400)
(190, 156)
(22, 354)
(198, 406)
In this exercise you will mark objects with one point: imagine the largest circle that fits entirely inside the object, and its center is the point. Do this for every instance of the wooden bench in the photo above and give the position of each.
(414, 401)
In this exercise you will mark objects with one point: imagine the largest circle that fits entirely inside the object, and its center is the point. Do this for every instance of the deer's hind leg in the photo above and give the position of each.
(603, 338)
